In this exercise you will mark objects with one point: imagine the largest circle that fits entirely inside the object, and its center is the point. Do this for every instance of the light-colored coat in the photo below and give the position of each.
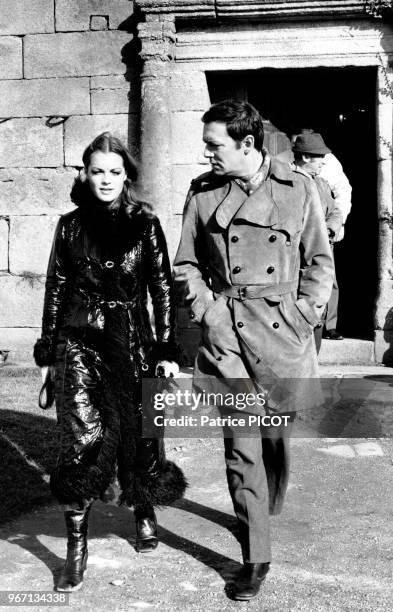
(257, 272)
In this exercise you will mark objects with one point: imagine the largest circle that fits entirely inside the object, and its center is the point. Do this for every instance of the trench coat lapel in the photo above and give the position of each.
(259, 208)
(271, 205)
(230, 204)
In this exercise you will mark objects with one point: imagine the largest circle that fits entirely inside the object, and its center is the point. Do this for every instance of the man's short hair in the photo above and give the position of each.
(241, 119)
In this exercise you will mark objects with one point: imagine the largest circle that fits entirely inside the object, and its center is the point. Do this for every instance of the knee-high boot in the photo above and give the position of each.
(71, 577)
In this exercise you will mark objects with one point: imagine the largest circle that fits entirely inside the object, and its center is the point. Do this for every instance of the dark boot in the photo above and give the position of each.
(249, 581)
(146, 529)
(71, 577)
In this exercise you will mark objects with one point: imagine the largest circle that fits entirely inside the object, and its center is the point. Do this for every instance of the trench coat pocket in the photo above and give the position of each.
(212, 313)
(294, 318)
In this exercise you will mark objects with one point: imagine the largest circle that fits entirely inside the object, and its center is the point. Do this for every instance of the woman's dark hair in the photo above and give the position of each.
(241, 119)
(107, 143)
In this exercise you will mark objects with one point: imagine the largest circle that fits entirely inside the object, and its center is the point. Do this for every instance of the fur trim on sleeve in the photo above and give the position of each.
(43, 352)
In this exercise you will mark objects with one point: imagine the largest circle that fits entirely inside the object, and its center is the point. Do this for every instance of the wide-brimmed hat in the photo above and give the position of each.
(310, 143)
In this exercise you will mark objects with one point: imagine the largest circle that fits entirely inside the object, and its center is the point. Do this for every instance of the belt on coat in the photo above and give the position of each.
(251, 292)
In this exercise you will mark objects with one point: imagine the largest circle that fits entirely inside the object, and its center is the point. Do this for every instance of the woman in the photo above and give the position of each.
(97, 341)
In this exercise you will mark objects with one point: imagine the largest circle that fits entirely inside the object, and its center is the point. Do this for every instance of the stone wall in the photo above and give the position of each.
(68, 72)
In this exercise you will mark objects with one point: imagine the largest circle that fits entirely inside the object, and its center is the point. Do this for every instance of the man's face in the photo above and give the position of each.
(313, 164)
(225, 154)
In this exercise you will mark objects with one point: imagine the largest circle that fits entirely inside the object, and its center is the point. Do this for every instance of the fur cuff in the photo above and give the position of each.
(77, 483)
(160, 489)
(43, 352)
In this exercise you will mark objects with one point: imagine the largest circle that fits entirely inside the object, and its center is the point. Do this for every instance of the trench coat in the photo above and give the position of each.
(96, 331)
(256, 272)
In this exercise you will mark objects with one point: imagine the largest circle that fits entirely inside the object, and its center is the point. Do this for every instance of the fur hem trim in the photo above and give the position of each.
(43, 352)
(160, 489)
(78, 483)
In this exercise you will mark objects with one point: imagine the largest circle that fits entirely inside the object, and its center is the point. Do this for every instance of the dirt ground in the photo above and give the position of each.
(332, 545)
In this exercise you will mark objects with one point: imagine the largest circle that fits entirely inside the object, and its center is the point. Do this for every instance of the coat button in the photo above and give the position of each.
(236, 269)
(240, 324)
(276, 325)
(235, 238)
(270, 269)
(272, 238)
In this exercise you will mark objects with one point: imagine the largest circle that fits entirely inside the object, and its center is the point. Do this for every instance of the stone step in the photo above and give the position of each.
(347, 351)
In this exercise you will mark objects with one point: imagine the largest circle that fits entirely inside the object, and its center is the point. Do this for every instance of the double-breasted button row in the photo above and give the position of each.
(234, 238)
(236, 270)
(272, 238)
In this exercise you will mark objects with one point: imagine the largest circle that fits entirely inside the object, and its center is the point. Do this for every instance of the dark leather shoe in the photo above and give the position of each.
(249, 581)
(331, 334)
(146, 534)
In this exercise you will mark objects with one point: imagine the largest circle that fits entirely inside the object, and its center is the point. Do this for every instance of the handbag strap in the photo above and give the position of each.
(46, 396)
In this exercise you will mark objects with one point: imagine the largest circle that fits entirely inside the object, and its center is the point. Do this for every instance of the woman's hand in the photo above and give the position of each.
(167, 369)
(45, 370)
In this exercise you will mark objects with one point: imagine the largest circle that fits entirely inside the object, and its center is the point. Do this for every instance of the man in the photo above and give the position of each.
(310, 154)
(332, 172)
(249, 226)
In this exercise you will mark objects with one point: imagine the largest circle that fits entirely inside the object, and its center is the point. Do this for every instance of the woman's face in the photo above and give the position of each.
(106, 176)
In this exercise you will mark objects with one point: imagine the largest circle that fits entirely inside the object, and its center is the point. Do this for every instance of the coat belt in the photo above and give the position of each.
(250, 292)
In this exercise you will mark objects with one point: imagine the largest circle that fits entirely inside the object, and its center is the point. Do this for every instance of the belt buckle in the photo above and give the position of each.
(111, 304)
(242, 293)
(109, 264)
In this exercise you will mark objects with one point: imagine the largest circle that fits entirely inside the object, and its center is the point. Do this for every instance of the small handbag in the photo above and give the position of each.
(46, 396)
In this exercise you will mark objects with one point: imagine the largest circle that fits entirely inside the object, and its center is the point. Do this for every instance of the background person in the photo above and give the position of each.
(97, 340)
(332, 172)
(310, 153)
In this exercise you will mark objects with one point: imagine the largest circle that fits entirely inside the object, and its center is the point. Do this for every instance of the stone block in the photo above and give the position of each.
(74, 54)
(11, 53)
(30, 243)
(111, 95)
(74, 15)
(384, 347)
(182, 177)
(4, 232)
(187, 145)
(44, 97)
(26, 17)
(30, 143)
(19, 341)
(384, 307)
(189, 91)
(99, 23)
(172, 229)
(21, 300)
(36, 191)
(80, 131)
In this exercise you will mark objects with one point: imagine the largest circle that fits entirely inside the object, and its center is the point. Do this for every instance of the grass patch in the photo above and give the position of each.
(28, 443)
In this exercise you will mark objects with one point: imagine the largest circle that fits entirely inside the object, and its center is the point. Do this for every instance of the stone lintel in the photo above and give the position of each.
(257, 9)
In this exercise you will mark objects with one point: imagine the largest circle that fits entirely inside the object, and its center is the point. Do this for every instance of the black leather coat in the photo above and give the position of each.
(96, 331)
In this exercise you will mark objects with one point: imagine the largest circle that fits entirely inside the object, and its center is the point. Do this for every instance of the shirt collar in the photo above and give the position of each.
(257, 179)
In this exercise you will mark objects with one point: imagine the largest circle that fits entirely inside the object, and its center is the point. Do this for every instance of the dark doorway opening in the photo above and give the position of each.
(340, 104)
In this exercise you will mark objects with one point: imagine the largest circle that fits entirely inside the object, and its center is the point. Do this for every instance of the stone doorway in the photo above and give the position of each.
(340, 104)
